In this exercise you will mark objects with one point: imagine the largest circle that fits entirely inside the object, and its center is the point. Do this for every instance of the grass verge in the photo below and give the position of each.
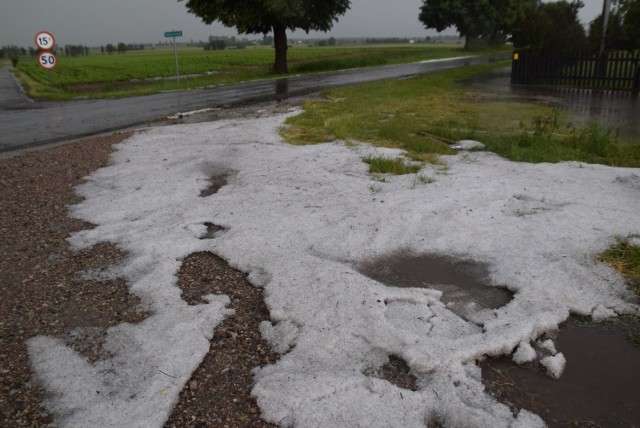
(394, 166)
(624, 256)
(422, 114)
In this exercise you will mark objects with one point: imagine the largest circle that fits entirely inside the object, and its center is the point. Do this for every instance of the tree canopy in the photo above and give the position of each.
(623, 30)
(485, 21)
(529, 23)
(553, 26)
(266, 16)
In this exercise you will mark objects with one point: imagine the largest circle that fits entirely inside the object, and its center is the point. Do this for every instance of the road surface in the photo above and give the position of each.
(25, 123)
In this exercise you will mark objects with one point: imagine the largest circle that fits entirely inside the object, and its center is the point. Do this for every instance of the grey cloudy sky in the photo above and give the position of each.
(97, 22)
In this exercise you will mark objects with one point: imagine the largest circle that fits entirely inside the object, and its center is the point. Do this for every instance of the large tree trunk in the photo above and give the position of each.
(467, 42)
(280, 41)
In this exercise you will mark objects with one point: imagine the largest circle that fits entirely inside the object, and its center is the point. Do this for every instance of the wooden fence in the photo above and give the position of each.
(611, 71)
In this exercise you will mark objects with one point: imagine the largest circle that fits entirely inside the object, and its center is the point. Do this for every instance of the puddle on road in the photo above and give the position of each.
(599, 388)
(464, 283)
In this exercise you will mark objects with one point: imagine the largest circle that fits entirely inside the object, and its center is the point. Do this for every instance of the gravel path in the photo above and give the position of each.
(49, 289)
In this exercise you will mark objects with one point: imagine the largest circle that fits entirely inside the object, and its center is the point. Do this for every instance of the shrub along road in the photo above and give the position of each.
(37, 123)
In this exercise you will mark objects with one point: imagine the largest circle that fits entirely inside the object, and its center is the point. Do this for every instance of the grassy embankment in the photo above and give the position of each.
(420, 115)
(153, 70)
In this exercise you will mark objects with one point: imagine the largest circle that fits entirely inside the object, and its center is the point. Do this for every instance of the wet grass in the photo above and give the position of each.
(546, 139)
(423, 114)
(394, 166)
(624, 256)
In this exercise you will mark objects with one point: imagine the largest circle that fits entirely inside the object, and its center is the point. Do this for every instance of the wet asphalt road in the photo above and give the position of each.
(25, 123)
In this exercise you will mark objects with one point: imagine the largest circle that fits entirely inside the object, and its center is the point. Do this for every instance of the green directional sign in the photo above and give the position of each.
(173, 34)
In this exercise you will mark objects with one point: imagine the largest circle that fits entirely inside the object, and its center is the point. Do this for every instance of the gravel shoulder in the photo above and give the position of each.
(47, 288)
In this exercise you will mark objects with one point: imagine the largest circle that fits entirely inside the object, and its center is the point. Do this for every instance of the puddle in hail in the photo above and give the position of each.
(600, 385)
(464, 283)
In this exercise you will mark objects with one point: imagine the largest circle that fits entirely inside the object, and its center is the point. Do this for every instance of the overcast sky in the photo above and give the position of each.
(97, 22)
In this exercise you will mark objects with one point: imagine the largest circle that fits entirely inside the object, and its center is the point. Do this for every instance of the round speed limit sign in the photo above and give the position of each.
(45, 40)
(47, 60)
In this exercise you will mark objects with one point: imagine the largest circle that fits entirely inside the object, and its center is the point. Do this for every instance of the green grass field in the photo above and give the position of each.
(142, 72)
(422, 114)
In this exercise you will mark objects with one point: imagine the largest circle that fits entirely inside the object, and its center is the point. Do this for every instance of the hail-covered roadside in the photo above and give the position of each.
(301, 221)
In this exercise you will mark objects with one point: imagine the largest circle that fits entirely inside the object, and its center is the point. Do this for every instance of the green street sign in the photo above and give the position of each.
(173, 33)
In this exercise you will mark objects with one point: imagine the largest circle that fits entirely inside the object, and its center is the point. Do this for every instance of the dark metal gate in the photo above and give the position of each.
(611, 71)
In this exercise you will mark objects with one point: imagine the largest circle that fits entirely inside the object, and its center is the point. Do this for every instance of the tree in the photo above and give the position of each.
(487, 21)
(110, 48)
(122, 48)
(623, 30)
(614, 39)
(550, 27)
(631, 23)
(271, 16)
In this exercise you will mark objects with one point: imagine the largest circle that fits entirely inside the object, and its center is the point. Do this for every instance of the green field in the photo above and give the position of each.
(141, 72)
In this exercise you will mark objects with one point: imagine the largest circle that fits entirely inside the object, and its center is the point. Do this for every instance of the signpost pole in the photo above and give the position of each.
(173, 34)
(47, 58)
(175, 54)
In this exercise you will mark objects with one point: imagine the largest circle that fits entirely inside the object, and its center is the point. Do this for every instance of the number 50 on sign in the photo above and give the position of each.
(47, 60)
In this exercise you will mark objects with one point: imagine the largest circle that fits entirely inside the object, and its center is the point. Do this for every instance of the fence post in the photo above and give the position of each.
(636, 82)
(515, 68)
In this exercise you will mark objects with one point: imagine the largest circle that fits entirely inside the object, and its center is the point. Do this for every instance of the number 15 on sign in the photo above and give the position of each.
(45, 40)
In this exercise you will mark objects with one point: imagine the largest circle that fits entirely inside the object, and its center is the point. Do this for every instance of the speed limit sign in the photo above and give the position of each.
(45, 40)
(47, 60)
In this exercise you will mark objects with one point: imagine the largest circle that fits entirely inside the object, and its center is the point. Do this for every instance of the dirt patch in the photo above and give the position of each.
(398, 372)
(218, 393)
(465, 283)
(46, 287)
(599, 387)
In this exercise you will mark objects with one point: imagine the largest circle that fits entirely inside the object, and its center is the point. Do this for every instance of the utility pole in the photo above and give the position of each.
(606, 10)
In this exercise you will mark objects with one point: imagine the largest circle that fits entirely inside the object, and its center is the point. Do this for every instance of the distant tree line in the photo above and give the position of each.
(121, 47)
(14, 53)
(8, 52)
(218, 43)
(76, 50)
(403, 40)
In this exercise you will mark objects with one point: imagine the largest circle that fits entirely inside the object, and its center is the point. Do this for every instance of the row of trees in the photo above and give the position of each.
(527, 23)
(15, 53)
(121, 48)
(76, 50)
(218, 43)
(552, 26)
(623, 29)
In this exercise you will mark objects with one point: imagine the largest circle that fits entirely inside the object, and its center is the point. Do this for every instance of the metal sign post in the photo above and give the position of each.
(47, 59)
(173, 34)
